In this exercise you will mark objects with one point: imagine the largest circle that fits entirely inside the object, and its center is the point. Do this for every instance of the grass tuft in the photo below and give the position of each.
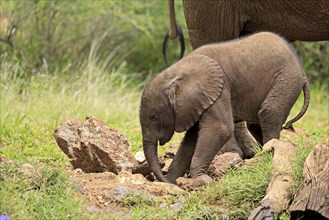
(44, 194)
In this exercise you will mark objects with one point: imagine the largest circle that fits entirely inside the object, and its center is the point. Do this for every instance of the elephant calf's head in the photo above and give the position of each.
(174, 101)
(156, 116)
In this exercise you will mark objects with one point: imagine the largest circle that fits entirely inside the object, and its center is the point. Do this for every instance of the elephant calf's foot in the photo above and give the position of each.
(194, 183)
(223, 162)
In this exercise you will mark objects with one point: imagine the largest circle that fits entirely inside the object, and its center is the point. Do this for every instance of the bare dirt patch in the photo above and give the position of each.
(110, 178)
(104, 171)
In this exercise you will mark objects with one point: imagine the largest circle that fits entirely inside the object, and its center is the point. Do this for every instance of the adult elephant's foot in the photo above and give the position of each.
(223, 162)
(194, 183)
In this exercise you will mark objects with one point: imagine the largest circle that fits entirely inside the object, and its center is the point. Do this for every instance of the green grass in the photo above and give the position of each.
(31, 111)
(43, 195)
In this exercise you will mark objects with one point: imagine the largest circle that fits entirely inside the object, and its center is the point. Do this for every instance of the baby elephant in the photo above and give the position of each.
(256, 79)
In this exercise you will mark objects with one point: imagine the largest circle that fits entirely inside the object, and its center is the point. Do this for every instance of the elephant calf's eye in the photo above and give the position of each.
(154, 117)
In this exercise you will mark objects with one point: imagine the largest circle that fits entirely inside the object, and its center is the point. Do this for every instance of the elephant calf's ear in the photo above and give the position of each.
(171, 93)
(198, 87)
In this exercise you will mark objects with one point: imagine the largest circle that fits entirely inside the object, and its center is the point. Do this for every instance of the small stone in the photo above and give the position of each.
(167, 164)
(150, 177)
(193, 184)
(140, 157)
(78, 170)
(181, 199)
(176, 207)
(171, 152)
(117, 193)
(163, 205)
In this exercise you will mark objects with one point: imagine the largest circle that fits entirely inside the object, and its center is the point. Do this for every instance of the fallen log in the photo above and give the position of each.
(312, 200)
(278, 191)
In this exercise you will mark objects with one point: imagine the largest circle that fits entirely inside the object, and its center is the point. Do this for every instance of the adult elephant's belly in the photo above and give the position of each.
(292, 29)
(300, 20)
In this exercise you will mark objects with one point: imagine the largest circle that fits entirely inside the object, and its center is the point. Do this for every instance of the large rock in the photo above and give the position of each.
(94, 147)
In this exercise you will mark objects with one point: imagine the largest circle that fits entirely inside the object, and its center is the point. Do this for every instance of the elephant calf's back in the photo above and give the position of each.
(252, 66)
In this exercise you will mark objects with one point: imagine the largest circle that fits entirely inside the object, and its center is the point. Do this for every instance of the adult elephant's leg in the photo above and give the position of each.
(212, 21)
(183, 157)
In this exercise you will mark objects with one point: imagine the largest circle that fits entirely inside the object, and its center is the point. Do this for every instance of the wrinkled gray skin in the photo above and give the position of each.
(256, 79)
(210, 21)
(220, 20)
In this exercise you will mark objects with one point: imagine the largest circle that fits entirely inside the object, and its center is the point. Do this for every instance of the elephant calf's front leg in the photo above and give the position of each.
(182, 160)
(216, 128)
(207, 148)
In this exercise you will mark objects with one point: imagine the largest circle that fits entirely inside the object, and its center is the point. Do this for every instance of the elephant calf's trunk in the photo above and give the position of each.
(151, 155)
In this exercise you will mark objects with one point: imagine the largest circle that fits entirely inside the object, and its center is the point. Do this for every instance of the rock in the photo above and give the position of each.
(223, 162)
(94, 147)
(127, 177)
(166, 166)
(117, 193)
(144, 168)
(176, 207)
(140, 157)
(150, 177)
(192, 184)
(181, 199)
(138, 181)
(78, 171)
(171, 152)
(163, 205)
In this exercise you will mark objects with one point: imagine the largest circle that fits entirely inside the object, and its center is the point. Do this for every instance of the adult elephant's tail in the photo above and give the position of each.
(174, 31)
(306, 90)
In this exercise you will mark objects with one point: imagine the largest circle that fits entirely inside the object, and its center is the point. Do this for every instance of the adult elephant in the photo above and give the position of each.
(211, 21)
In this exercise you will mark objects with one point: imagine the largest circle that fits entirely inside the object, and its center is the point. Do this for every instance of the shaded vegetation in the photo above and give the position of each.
(60, 34)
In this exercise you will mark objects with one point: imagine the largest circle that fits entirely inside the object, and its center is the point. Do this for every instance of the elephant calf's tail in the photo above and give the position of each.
(306, 90)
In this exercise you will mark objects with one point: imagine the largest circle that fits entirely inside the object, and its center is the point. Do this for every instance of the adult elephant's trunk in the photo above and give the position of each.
(151, 155)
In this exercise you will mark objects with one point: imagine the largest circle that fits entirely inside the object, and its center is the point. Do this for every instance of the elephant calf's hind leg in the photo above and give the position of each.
(277, 105)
